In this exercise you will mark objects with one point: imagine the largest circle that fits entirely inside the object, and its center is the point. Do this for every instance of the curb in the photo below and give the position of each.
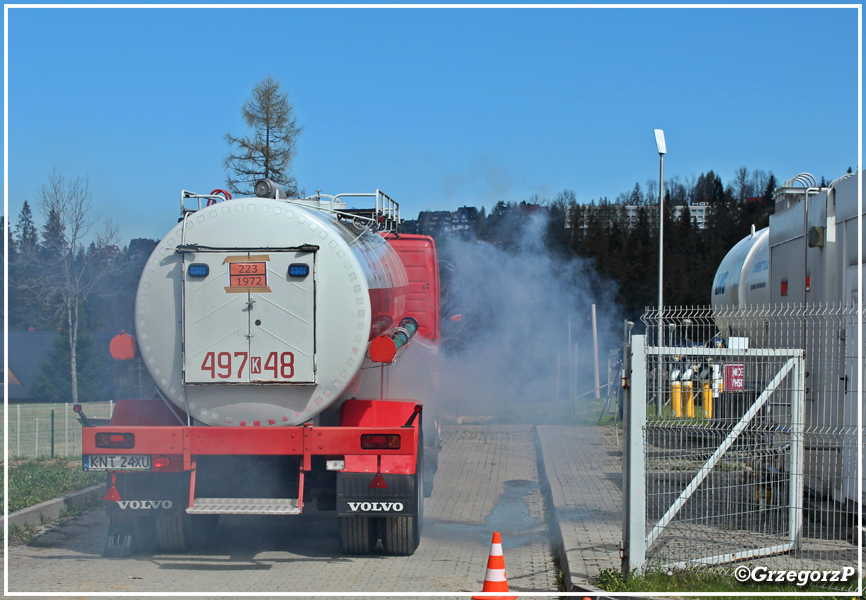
(554, 498)
(551, 500)
(51, 509)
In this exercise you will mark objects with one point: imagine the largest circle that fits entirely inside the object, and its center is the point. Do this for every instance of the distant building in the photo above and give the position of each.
(409, 226)
(464, 219)
(444, 222)
(698, 212)
(141, 246)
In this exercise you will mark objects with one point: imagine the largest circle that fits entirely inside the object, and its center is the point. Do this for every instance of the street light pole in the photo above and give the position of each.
(662, 149)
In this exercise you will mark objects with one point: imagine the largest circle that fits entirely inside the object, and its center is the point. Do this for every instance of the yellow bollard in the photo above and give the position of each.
(690, 400)
(707, 399)
(676, 399)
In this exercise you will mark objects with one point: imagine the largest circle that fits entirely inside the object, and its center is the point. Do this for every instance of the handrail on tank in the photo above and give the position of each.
(836, 181)
(386, 210)
(805, 179)
(184, 195)
(387, 207)
(790, 191)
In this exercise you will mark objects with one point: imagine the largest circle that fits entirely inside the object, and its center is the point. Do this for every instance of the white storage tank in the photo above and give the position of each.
(743, 279)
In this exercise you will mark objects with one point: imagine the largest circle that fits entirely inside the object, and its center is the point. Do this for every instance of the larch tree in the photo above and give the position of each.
(267, 152)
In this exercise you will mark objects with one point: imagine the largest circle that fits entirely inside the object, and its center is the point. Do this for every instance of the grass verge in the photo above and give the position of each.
(38, 480)
(683, 582)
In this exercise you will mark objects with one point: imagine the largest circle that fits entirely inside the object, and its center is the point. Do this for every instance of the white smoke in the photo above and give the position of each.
(516, 306)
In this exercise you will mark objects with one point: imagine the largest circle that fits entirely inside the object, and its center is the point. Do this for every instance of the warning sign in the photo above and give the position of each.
(735, 375)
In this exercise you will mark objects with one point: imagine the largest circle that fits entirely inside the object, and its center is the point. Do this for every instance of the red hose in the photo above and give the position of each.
(212, 201)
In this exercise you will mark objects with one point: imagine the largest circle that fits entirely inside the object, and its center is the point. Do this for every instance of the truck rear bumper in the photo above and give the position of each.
(179, 446)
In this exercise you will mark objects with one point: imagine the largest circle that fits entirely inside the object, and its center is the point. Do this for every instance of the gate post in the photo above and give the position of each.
(798, 442)
(633, 551)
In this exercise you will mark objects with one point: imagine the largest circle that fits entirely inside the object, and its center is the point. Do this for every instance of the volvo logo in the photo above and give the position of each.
(139, 504)
(375, 506)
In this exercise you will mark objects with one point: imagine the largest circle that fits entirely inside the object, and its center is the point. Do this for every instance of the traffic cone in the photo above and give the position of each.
(494, 579)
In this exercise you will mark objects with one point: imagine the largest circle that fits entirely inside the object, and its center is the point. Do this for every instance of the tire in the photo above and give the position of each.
(431, 465)
(180, 532)
(402, 535)
(141, 528)
(358, 535)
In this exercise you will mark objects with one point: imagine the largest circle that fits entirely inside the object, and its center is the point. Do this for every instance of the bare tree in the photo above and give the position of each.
(61, 274)
(742, 184)
(268, 151)
(759, 181)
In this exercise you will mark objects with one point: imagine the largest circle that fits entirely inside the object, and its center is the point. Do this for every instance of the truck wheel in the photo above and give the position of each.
(173, 532)
(179, 532)
(141, 529)
(431, 465)
(403, 534)
(358, 535)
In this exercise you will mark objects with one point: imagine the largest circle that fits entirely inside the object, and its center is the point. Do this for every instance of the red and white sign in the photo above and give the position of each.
(735, 375)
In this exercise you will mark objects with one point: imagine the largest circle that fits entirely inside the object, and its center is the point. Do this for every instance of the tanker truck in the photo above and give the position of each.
(811, 256)
(270, 326)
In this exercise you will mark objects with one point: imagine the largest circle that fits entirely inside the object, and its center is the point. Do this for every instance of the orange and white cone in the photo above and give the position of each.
(494, 579)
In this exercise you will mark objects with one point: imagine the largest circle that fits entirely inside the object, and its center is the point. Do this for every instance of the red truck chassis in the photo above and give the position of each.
(369, 469)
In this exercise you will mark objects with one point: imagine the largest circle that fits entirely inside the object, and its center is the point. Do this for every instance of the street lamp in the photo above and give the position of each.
(660, 146)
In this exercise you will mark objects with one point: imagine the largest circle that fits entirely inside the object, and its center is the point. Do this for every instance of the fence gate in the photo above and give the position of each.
(713, 465)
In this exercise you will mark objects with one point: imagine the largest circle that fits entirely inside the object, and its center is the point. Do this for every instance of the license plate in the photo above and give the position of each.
(117, 462)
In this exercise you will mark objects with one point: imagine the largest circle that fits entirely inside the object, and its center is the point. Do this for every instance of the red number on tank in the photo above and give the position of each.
(287, 361)
(282, 366)
(224, 362)
(243, 362)
(208, 364)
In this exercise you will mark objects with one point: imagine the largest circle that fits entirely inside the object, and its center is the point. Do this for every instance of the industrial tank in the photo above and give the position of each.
(743, 279)
(258, 311)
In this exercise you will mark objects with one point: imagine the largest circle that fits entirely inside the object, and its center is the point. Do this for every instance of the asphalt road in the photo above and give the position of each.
(487, 481)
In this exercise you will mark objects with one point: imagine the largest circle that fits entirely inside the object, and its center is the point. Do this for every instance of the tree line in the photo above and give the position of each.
(70, 276)
(623, 248)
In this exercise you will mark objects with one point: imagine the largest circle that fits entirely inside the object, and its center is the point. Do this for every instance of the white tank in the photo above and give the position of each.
(257, 312)
(743, 279)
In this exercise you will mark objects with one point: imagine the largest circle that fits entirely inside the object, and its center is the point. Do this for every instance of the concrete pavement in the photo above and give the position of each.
(583, 467)
(492, 478)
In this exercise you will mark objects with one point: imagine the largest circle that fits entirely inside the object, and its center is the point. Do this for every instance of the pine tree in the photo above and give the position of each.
(26, 234)
(267, 153)
(769, 191)
(93, 381)
(54, 244)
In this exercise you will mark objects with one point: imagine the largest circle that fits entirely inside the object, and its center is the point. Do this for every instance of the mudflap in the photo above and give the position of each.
(118, 544)
(143, 497)
(355, 497)
(394, 513)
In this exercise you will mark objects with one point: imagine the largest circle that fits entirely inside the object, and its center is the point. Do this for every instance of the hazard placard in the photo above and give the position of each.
(735, 376)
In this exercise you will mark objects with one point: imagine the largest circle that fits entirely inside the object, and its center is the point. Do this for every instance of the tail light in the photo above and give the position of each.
(380, 441)
(115, 440)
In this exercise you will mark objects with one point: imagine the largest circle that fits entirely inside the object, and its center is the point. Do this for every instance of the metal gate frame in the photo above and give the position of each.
(636, 541)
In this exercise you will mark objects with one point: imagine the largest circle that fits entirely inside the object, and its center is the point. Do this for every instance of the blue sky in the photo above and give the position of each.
(439, 108)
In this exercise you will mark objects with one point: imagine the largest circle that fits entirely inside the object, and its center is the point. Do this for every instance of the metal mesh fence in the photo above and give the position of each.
(31, 432)
(751, 437)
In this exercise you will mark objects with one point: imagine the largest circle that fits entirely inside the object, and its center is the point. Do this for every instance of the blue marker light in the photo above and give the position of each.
(299, 270)
(198, 270)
